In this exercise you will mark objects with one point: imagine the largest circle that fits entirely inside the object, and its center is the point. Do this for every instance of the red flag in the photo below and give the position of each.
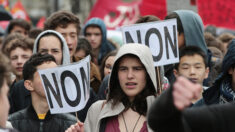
(5, 4)
(217, 12)
(41, 21)
(116, 13)
(193, 2)
(18, 11)
(153, 7)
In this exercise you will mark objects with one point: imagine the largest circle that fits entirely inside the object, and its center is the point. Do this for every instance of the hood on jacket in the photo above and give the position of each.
(229, 58)
(144, 55)
(105, 45)
(193, 29)
(66, 55)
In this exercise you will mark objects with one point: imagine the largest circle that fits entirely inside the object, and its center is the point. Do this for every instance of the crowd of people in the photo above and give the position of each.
(124, 91)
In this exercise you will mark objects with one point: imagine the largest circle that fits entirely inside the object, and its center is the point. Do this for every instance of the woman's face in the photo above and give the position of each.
(4, 103)
(51, 45)
(108, 65)
(132, 76)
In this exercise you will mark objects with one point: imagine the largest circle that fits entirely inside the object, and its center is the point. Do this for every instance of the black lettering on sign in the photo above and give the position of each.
(69, 74)
(139, 36)
(85, 80)
(148, 34)
(128, 38)
(49, 87)
(168, 38)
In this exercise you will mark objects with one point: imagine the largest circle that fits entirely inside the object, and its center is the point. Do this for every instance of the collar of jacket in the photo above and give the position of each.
(33, 115)
(108, 111)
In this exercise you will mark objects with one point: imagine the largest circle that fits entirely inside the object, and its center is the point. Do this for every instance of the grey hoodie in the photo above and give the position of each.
(145, 56)
(66, 55)
(193, 28)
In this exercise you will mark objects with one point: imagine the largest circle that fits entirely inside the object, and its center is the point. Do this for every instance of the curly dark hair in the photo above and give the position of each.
(62, 19)
(30, 66)
(117, 95)
(24, 43)
(8, 39)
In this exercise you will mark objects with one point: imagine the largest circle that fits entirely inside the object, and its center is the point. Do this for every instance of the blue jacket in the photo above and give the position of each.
(106, 47)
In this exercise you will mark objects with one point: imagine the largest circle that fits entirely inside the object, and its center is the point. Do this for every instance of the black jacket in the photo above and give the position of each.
(27, 120)
(19, 96)
(164, 117)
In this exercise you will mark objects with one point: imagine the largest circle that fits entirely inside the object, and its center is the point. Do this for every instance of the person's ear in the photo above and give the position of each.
(175, 72)
(207, 72)
(28, 85)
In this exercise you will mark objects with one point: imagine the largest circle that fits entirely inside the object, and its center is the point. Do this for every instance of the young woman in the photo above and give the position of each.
(107, 63)
(132, 89)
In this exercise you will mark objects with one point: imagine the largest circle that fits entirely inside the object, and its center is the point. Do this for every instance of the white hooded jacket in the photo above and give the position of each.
(102, 109)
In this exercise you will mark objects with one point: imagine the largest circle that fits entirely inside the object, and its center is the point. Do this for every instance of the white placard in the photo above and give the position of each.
(159, 36)
(67, 88)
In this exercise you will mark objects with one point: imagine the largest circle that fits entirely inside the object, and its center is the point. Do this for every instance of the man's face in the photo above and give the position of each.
(70, 34)
(94, 36)
(18, 29)
(51, 45)
(193, 68)
(132, 76)
(37, 83)
(4, 103)
(18, 57)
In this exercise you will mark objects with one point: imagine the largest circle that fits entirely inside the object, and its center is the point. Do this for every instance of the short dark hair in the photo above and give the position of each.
(4, 70)
(19, 22)
(62, 19)
(147, 18)
(117, 95)
(191, 51)
(30, 66)
(33, 33)
(179, 23)
(84, 44)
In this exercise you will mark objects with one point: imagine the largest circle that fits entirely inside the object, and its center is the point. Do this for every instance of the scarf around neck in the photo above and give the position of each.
(226, 91)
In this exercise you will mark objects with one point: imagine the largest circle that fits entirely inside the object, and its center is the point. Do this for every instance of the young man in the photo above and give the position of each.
(190, 32)
(18, 25)
(53, 43)
(19, 51)
(95, 32)
(37, 117)
(192, 65)
(68, 25)
(50, 42)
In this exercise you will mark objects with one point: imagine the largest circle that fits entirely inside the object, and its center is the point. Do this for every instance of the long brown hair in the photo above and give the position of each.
(116, 94)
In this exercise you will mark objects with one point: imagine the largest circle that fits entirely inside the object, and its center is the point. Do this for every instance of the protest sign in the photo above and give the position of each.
(67, 87)
(160, 37)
